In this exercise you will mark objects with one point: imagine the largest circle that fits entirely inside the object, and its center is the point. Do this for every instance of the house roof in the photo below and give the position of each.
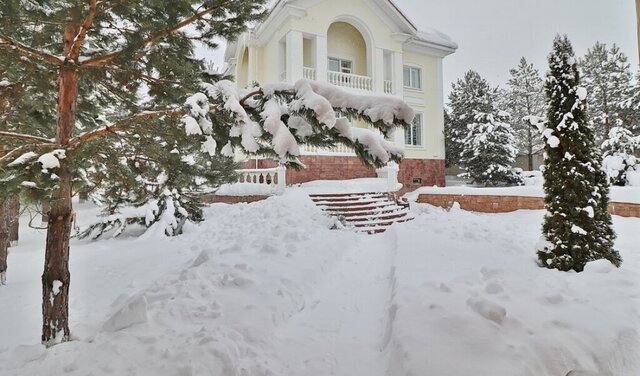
(430, 38)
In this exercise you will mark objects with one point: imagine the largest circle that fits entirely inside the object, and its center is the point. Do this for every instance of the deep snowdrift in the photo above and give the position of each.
(267, 289)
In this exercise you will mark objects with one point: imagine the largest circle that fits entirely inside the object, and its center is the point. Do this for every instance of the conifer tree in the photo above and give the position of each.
(621, 155)
(607, 78)
(99, 55)
(525, 99)
(469, 96)
(577, 226)
(489, 150)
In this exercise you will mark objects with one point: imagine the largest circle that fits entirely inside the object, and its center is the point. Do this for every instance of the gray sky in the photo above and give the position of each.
(493, 34)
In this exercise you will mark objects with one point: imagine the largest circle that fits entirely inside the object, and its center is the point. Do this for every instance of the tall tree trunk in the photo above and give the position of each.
(13, 218)
(4, 241)
(530, 149)
(56, 276)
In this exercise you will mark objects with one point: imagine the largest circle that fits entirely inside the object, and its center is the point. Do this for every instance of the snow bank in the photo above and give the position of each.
(246, 189)
(616, 194)
(346, 186)
(470, 300)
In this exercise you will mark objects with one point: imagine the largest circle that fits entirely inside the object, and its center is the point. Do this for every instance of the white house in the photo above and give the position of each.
(367, 45)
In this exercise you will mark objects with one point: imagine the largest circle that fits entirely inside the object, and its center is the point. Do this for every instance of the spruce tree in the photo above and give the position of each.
(469, 96)
(577, 226)
(169, 139)
(489, 150)
(524, 99)
(607, 78)
(621, 155)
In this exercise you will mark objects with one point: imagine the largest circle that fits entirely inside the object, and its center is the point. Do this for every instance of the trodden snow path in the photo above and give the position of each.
(343, 329)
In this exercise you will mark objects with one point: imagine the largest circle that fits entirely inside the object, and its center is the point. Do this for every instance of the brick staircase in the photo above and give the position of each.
(371, 213)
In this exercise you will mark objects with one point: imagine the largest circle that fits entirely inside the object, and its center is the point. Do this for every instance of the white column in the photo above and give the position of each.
(398, 85)
(378, 70)
(295, 56)
(321, 58)
(398, 89)
(253, 65)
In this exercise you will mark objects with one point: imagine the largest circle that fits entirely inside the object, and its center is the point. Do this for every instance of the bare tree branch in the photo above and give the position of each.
(26, 137)
(28, 51)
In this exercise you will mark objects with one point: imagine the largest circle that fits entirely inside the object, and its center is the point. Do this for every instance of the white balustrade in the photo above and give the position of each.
(353, 81)
(309, 73)
(275, 177)
(388, 87)
(339, 149)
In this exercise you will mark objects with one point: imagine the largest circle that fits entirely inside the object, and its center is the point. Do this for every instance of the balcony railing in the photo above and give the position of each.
(388, 87)
(353, 81)
(308, 73)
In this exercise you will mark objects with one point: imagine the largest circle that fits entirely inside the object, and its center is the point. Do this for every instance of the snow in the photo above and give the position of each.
(209, 146)
(51, 160)
(345, 186)
(616, 194)
(24, 158)
(581, 92)
(268, 289)
(246, 189)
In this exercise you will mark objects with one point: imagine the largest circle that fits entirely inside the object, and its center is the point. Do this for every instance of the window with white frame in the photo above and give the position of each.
(412, 77)
(340, 65)
(413, 135)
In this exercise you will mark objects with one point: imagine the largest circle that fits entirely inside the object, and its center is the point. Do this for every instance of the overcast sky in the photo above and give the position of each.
(493, 34)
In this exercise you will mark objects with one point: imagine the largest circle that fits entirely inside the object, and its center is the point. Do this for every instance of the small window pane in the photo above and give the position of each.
(334, 65)
(407, 76)
(413, 136)
(415, 78)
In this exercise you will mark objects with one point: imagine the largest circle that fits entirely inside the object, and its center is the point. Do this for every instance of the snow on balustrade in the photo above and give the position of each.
(339, 149)
(353, 81)
(309, 73)
(274, 177)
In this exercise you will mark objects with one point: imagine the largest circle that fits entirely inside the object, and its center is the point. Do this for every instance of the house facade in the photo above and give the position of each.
(364, 45)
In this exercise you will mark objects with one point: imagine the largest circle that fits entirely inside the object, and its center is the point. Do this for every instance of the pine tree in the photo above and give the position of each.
(525, 99)
(99, 68)
(607, 78)
(469, 96)
(577, 226)
(489, 150)
(620, 155)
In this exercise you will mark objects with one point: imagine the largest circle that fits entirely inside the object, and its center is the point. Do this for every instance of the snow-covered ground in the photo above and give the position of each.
(268, 289)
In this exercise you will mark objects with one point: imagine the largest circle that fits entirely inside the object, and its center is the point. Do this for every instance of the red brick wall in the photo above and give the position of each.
(212, 199)
(503, 204)
(431, 171)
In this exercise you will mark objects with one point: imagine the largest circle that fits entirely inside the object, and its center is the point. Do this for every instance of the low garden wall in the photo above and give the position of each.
(215, 199)
(503, 204)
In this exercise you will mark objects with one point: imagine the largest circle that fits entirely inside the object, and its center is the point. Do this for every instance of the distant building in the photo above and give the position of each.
(364, 45)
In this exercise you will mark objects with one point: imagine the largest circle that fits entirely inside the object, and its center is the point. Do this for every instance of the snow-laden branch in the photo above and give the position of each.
(25, 137)
(120, 125)
(100, 61)
(27, 51)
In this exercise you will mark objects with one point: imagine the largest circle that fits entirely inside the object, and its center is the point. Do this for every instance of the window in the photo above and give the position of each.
(340, 65)
(412, 77)
(413, 135)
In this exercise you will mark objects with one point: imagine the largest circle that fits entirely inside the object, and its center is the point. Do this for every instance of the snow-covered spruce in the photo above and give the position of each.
(274, 120)
(619, 156)
(577, 226)
(524, 100)
(489, 150)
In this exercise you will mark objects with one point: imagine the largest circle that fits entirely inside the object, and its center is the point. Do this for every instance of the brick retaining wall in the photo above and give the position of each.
(324, 167)
(213, 199)
(503, 204)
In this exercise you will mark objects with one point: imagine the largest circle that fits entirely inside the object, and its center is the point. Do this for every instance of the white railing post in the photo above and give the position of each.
(281, 172)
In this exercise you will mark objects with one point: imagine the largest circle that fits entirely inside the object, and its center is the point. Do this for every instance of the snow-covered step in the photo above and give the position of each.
(370, 212)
